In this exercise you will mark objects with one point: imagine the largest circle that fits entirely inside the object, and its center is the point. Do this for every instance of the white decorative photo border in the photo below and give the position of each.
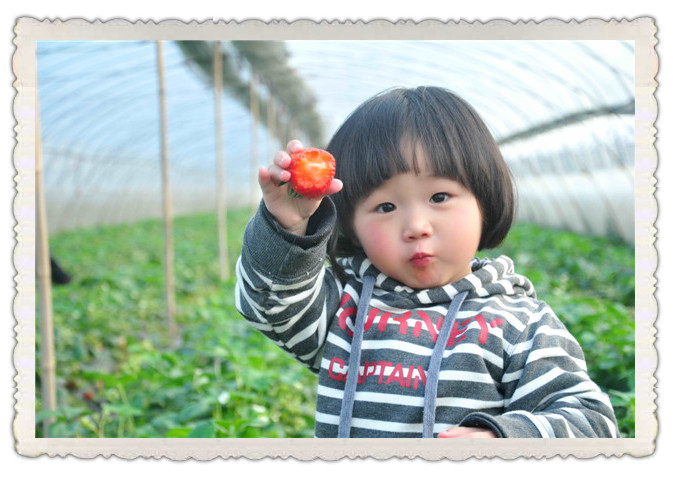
(28, 31)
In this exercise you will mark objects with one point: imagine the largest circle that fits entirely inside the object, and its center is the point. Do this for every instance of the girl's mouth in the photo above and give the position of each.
(420, 259)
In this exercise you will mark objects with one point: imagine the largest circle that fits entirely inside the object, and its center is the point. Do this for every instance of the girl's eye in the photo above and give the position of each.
(385, 207)
(439, 197)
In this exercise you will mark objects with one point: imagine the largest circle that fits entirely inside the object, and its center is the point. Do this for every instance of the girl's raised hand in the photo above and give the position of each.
(292, 213)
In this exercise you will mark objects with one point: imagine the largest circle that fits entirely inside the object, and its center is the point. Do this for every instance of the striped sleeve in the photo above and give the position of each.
(283, 287)
(547, 390)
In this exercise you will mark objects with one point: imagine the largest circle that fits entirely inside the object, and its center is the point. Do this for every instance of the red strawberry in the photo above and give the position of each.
(312, 171)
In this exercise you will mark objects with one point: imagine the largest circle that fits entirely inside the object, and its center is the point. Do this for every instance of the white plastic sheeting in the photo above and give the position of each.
(563, 112)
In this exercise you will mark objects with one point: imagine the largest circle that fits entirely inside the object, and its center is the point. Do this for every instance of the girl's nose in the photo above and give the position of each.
(417, 228)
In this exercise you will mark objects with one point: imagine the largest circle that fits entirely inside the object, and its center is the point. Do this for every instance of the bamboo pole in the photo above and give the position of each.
(254, 156)
(221, 185)
(43, 274)
(168, 214)
(270, 125)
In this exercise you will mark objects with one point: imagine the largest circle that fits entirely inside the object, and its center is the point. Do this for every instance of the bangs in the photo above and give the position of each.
(380, 140)
(442, 157)
(434, 125)
(367, 147)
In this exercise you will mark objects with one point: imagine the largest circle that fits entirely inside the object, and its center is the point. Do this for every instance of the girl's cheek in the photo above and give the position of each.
(372, 236)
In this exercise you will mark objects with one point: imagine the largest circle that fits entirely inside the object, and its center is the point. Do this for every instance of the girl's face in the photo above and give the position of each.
(420, 229)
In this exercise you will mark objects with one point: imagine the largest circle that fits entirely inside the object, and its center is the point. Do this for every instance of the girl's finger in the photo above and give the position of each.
(278, 174)
(264, 179)
(334, 187)
(294, 145)
(282, 159)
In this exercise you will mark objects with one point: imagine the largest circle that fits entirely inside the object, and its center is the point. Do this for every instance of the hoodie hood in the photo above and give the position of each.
(489, 277)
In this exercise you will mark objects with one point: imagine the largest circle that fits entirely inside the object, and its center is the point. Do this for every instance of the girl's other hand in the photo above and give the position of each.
(463, 432)
(292, 213)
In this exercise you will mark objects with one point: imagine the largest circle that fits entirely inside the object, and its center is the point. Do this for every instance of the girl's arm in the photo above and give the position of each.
(547, 390)
(283, 287)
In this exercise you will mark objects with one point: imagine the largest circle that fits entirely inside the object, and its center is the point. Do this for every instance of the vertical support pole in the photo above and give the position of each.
(221, 185)
(282, 126)
(168, 214)
(270, 125)
(43, 274)
(291, 130)
(254, 156)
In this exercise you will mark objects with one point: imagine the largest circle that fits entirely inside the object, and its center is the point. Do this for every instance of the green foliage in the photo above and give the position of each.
(118, 375)
(590, 283)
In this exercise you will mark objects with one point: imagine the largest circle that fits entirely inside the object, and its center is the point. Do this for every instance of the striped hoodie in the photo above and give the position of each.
(508, 363)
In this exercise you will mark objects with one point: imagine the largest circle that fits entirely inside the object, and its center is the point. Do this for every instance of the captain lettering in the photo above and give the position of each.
(383, 372)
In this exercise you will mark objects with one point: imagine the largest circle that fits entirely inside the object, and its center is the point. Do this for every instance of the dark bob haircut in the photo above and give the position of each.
(369, 149)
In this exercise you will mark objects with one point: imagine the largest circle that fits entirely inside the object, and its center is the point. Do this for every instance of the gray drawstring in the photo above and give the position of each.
(354, 362)
(432, 380)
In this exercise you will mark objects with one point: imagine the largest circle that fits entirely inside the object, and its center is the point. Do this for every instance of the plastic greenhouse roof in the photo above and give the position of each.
(514, 85)
(570, 105)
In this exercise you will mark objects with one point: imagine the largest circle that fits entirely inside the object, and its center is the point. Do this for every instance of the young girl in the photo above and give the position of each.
(410, 334)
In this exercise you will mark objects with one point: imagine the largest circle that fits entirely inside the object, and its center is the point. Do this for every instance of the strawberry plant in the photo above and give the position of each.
(118, 376)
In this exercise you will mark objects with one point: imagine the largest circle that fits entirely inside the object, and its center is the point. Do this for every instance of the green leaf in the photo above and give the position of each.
(88, 423)
(45, 414)
(165, 421)
(205, 429)
(178, 433)
(194, 411)
(122, 409)
(71, 413)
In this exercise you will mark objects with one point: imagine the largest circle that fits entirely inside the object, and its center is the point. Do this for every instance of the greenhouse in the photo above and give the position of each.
(149, 158)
